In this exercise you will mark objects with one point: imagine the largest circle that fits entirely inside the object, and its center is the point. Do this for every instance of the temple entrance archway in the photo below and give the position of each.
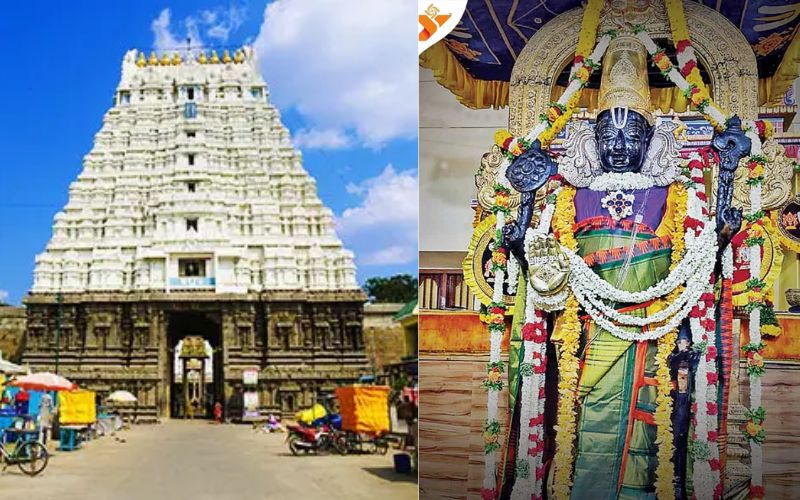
(203, 376)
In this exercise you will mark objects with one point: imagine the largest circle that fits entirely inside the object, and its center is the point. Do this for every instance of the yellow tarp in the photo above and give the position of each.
(311, 414)
(364, 408)
(77, 407)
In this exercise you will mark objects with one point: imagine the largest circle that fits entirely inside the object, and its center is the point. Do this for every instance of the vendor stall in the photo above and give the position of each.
(78, 413)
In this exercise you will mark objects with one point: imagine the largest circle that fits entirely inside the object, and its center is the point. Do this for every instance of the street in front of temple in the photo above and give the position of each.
(197, 459)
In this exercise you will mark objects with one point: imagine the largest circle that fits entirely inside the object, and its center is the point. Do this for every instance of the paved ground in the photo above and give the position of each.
(197, 460)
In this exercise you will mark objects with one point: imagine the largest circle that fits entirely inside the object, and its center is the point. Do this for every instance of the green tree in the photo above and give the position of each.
(398, 288)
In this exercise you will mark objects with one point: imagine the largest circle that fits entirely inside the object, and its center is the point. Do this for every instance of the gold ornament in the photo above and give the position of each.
(238, 57)
(153, 61)
(226, 57)
(176, 59)
(474, 264)
(202, 59)
(484, 181)
(776, 188)
(214, 57)
(165, 59)
(624, 82)
(141, 61)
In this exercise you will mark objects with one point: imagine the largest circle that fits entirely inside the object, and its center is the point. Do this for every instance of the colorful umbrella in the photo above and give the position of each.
(43, 381)
(121, 397)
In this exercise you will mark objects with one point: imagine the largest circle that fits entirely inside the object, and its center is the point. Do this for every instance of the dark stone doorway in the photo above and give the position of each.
(207, 325)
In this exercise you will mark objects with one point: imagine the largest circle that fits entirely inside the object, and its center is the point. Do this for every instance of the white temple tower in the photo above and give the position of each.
(193, 184)
(193, 217)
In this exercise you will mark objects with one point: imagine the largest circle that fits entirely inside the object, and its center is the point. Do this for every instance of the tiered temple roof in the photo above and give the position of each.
(193, 184)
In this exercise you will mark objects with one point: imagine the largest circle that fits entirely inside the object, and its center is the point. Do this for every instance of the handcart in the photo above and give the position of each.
(365, 418)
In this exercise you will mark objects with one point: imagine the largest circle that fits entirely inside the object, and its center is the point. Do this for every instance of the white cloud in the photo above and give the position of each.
(217, 24)
(3, 296)
(315, 138)
(346, 65)
(389, 255)
(221, 22)
(382, 229)
(163, 37)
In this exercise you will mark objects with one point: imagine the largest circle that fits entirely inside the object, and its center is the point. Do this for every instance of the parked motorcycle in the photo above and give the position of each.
(308, 439)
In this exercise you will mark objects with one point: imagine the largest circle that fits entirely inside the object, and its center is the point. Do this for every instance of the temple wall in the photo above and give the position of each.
(384, 338)
(452, 140)
(451, 425)
(301, 345)
(12, 331)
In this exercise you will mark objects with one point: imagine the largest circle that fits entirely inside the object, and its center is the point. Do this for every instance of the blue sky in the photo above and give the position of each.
(347, 93)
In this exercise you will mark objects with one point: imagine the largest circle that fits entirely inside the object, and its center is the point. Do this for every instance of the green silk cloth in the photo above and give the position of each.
(616, 449)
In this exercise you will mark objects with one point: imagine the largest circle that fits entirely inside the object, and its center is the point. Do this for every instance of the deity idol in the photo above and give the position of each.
(623, 205)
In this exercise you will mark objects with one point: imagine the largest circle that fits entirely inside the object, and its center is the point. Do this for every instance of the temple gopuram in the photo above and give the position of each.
(193, 218)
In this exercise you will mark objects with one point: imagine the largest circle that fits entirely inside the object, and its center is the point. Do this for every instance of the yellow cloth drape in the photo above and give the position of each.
(470, 91)
(784, 76)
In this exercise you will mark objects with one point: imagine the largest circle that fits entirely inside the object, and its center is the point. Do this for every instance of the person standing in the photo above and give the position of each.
(46, 413)
(21, 402)
(218, 412)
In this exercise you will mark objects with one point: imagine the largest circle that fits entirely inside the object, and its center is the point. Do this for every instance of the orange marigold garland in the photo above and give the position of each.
(569, 333)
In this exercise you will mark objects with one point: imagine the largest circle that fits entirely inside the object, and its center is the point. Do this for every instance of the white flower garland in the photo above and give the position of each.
(495, 341)
(754, 329)
(531, 407)
(513, 274)
(705, 478)
(698, 250)
(612, 181)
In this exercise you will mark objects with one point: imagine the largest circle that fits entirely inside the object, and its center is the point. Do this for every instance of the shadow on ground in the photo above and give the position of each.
(389, 474)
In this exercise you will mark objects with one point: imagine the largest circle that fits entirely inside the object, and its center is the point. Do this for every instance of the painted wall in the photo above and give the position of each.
(452, 139)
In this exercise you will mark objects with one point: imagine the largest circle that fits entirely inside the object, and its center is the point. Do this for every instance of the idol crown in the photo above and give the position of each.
(624, 82)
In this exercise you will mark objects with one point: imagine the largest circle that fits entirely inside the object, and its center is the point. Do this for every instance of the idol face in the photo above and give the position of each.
(622, 149)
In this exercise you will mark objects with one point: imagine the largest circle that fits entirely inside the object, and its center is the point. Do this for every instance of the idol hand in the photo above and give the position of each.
(527, 173)
(729, 222)
(514, 242)
(731, 144)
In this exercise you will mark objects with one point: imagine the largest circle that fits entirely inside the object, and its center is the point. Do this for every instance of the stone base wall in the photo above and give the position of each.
(302, 345)
(384, 338)
(12, 331)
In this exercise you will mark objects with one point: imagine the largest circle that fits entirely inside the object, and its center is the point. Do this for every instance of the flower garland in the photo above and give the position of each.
(630, 180)
(756, 303)
(593, 292)
(698, 96)
(694, 89)
(687, 59)
(569, 333)
(496, 325)
(555, 118)
(568, 367)
(665, 470)
(530, 467)
(706, 471)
